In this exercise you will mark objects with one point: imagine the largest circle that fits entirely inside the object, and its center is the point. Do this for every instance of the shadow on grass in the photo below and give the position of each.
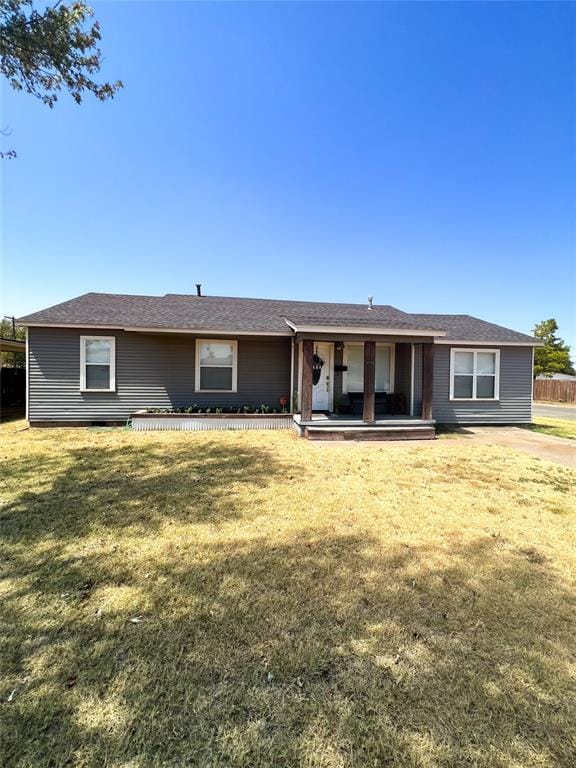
(447, 430)
(320, 650)
(12, 413)
(143, 486)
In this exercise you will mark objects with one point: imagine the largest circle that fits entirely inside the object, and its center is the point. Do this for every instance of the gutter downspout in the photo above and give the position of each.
(291, 400)
(27, 361)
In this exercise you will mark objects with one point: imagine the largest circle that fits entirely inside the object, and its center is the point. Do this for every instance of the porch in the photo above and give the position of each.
(359, 387)
(340, 427)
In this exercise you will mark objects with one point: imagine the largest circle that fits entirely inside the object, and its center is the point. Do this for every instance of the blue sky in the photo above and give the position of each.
(423, 153)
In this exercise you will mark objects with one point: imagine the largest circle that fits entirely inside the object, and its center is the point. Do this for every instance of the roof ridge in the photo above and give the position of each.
(442, 314)
(121, 295)
(284, 301)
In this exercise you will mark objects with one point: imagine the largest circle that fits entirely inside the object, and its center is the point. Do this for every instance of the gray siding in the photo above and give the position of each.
(152, 371)
(514, 405)
(157, 371)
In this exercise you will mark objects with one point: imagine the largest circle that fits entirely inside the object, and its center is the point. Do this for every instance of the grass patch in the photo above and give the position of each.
(556, 427)
(252, 599)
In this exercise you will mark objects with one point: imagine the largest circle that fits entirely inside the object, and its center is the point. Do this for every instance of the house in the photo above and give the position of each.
(555, 377)
(12, 345)
(341, 368)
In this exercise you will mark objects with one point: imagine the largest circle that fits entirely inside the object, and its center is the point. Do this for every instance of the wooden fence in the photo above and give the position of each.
(555, 390)
(12, 387)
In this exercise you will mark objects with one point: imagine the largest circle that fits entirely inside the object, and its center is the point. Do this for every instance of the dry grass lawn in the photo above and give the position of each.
(251, 599)
(556, 427)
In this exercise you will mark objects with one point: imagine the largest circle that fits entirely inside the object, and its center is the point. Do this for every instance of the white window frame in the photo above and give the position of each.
(348, 344)
(474, 374)
(112, 364)
(197, 365)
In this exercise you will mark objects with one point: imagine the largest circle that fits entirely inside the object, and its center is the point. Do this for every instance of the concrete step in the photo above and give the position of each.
(358, 423)
(423, 432)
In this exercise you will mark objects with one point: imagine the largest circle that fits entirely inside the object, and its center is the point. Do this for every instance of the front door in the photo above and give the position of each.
(322, 377)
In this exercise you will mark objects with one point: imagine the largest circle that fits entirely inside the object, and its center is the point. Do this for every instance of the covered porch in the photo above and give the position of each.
(361, 386)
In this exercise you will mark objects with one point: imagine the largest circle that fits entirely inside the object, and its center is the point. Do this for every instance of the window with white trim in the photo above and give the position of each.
(353, 379)
(216, 365)
(97, 363)
(474, 374)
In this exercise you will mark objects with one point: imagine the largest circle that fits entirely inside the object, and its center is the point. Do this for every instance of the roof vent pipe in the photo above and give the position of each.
(198, 289)
(370, 299)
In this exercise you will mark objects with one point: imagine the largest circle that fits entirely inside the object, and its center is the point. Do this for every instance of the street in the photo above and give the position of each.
(554, 411)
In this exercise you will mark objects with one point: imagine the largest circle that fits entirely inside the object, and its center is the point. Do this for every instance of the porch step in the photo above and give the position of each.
(424, 432)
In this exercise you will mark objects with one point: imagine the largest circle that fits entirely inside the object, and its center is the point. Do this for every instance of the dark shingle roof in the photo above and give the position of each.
(219, 313)
(468, 328)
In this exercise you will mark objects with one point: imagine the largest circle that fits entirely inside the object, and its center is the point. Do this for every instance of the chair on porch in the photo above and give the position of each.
(393, 403)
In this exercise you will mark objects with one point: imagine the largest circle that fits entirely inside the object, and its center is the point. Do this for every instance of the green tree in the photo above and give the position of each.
(45, 52)
(12, 359)
(554, 356)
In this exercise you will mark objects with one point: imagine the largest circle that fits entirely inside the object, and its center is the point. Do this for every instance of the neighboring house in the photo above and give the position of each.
(555, 377)
(12, 345)
(12, 379)
(102, 357)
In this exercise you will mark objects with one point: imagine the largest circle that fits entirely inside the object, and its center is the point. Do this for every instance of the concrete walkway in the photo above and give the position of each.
(554, 410)
(548, 447)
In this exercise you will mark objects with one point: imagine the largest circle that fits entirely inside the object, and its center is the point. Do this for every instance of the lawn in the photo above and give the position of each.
(251, 599)
(557, 427)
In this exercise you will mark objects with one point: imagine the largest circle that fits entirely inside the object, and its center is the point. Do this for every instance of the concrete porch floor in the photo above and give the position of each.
(341, 420)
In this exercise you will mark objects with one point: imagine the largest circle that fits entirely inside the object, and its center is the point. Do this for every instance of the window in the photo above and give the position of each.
(353, 380)
(216, 366)
(474, 374)
(97, 363)
(355, 364)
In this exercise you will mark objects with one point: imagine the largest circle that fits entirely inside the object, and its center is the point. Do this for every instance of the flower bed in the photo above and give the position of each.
(184, 420)
(224, 410)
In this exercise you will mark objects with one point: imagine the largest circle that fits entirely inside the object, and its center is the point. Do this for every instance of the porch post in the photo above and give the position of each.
(306, 394)
(369, 379)
(427, 379)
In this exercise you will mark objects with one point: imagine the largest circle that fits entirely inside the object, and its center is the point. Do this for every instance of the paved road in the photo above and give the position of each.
(555, 411)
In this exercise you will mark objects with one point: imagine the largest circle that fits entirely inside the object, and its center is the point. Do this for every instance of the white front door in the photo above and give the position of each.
(322, 375)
